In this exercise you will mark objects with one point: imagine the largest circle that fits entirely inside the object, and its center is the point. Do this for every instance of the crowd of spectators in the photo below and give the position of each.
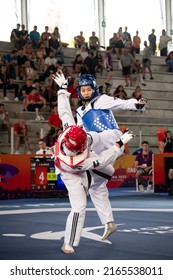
(35, 56)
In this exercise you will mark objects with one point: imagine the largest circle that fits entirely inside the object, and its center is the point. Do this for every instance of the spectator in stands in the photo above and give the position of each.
(94, 43)
(45, 36)
(11, 62)
(144, 165)
(163, 43)
(30, 71)
(120, 92)
(23, 35)
(72, 88)
(51, 137)
(24, 91)
(138, 72)
(50, 60)
(127, 62)
(169, 61)
(112, 42)
(6, 84)
(34, 102)
(21, 58)
(126, 34)
(55, 46)
(119, 44)
(4, 120)
(137, 93)
(43, 149)
(15, 38)
(57, 33)
(79, 40)
(167, 143)
(34, 37)
(152, 41)
(41, 55)
(90, 64)
(99, 62)
(83, 51)
(137, 42)
(170, 176)
(78, 64)
(146, 60)
(54, 120)
(21, 135)
(109, 65)
(1, 59)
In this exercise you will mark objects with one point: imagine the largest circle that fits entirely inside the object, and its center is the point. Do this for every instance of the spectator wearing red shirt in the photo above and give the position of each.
(21, 135)
(35, 102)
(72, 88)
(54, 120)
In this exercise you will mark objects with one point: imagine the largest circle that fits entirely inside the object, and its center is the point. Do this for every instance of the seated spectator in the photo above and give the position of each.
(1, 59)
(30, 71)
(43, 149)
(120, 92)
(144, 165)
(170, 176)
(55, 46)
(78, 64)
(100, 62)
(112, 42)
(6, 84)
(94, 43)
(21, 58)
(50, 60)
(34, 37)
(51, 137)
(79, 40)
(169, 61)
(45, 36)
(137, 94)
(83, 51)
(34, 102)
(11, 62)
(15, 38)
(24, 91)
(21, 136)
(54, 120)
(4, 120)
(167, 143)
(41, 55)
(90, 64)
(72, 88)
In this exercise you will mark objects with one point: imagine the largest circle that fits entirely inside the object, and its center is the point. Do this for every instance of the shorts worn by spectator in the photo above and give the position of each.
(143, 164)
(21, 135)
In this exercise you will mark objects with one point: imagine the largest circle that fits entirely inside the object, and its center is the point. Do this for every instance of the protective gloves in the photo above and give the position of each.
(126, 137)
(141, 103)
(60, 80)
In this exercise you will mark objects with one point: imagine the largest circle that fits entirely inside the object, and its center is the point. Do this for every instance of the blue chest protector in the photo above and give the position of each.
(99, 120)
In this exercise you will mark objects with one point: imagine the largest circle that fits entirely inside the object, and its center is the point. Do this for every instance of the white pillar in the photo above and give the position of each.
(101, 22)
(168, 11)
(24, 13)
(12, 140)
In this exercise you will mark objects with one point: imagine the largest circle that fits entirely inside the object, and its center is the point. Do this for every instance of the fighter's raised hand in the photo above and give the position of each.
(60, 80)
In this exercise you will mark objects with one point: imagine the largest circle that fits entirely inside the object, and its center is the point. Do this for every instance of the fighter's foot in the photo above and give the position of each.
(109, 229)
(67, 249)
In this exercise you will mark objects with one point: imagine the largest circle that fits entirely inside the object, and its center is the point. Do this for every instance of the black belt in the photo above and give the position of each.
(101, 174)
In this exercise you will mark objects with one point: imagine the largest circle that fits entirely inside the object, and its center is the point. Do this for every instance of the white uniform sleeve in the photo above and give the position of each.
(104, 159)
(64, 109)
(109, 102)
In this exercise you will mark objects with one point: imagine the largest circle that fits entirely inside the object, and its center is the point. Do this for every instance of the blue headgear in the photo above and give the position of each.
(87, 80)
